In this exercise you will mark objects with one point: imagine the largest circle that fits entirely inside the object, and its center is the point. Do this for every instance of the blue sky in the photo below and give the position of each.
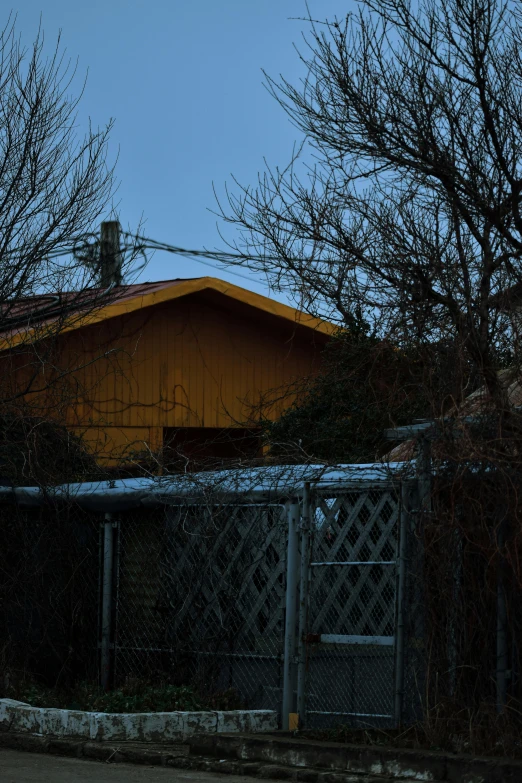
(183, 80)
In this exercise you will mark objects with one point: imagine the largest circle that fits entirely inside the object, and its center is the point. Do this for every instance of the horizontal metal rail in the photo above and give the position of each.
(356, 563)
(325, 486)
(352, 714)
(337, 638)
(121, 648)
(257, 656)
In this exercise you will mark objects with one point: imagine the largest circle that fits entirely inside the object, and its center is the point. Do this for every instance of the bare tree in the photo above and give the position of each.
(55, 185)
(412, 210)
(413, 113)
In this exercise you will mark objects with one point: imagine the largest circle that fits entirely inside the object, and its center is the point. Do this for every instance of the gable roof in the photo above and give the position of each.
(131, 298)
(136, 297)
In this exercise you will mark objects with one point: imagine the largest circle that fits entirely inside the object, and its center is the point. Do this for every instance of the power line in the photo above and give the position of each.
(201, 256)
(140, 243)
(87, 243)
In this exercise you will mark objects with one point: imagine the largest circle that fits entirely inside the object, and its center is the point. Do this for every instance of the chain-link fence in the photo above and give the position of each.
(209, 592)
(200, 597)
(351, 638)
(345, 600)
(49, 594)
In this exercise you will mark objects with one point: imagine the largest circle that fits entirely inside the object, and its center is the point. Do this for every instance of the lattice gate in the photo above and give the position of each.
(295, 606)
(352, 580)
(200, 598)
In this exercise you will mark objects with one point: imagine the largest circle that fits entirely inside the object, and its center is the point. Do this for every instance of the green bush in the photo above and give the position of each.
(135, 696)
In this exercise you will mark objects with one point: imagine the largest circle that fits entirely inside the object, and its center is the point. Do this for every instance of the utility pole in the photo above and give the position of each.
(110, 254)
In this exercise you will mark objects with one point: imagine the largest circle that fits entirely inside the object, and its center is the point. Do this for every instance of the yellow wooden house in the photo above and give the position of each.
(183, 363)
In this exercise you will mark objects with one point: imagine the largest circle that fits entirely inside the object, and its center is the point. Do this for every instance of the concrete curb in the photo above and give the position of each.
(358, 760)
(283, 758)
(176, 757)
(16, 716)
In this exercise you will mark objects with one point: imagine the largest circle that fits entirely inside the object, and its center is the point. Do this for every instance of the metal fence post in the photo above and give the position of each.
(400, 598)
(106, 619)
(420, 509)
(502, 642)
(293, 514)
(424, 475)
(303, 607)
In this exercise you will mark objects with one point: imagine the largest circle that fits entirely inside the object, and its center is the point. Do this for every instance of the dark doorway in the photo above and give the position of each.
(208, 448)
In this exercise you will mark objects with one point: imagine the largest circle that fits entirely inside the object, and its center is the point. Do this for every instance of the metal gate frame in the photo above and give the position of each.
(298, 569)
(297, 638)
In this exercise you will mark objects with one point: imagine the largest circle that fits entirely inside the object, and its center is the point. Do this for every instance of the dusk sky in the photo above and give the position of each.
(183, 80)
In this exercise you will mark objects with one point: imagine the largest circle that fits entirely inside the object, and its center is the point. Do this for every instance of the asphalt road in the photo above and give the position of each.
(20, 767)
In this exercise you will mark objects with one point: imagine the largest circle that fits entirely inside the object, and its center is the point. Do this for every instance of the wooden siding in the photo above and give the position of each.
(192, 362)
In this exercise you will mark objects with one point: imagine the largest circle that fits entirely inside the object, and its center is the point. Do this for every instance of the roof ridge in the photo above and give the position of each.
(126, 299)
